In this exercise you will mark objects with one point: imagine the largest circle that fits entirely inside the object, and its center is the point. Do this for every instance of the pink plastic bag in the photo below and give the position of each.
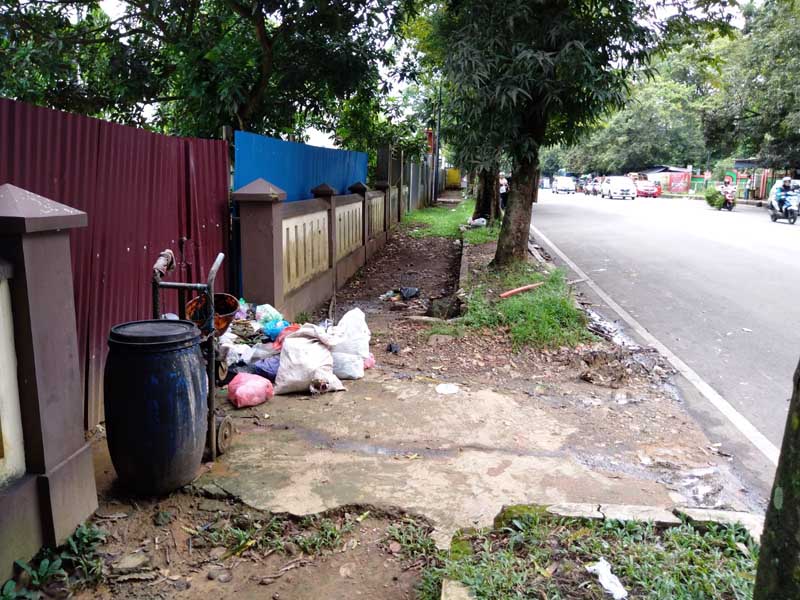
(247, 389)
(369, 362)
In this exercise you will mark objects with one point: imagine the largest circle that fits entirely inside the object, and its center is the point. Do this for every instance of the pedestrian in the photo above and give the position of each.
(503, 190)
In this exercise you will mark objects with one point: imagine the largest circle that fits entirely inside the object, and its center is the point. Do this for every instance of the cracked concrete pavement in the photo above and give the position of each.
(392, 441)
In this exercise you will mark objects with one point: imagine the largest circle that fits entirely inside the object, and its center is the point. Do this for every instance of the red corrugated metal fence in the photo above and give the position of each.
(143, 192)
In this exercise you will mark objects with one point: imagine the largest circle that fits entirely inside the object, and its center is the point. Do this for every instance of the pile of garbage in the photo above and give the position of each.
(267, 355)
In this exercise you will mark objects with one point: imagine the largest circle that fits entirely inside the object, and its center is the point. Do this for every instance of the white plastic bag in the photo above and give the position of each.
(348, 366)
(307, 362)
(610, 582)
(354, 334)
(266, 312)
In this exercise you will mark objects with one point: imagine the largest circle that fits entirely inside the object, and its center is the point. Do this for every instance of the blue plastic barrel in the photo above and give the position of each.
(155, 401)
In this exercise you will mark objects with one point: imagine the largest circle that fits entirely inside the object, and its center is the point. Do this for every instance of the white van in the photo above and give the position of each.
(564, 185)
(618, 187)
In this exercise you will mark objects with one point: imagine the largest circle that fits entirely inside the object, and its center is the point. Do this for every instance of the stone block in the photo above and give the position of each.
(705, 516)
(634, 512)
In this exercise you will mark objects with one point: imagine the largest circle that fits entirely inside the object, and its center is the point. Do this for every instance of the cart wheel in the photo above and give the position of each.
(224, 434)
(222, 373)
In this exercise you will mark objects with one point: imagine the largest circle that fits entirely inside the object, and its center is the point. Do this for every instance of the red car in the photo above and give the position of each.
(648, 189)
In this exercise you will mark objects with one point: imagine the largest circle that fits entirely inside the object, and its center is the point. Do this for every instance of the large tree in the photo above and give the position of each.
(778, 575)
(191, 66)
(660, 126)
(547, 70)
(757, 110)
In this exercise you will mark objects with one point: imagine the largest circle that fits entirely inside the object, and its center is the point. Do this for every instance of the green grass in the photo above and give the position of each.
(544, 317)
(538, 556)
(445, 221)
(414, 539)
(482, 235)
(438, 221)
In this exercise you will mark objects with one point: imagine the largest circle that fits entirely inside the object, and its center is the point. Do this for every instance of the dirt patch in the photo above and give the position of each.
(188, 546)
(430, 264)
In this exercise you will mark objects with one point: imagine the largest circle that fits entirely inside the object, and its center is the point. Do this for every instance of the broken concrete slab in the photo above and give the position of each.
(576, 510)
(661, 517)
(704, 516)
(131, 563)
(456, 459)
(455, 590)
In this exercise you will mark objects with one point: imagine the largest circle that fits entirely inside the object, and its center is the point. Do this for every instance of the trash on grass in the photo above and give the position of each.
(475, 223)
(447, 388)
(524, 288)
(393, 348)
(369, 362)
(249, 390)
(610, 582)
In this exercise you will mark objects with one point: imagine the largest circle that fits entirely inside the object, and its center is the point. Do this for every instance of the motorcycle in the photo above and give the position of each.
(789, 211)
(728, 198)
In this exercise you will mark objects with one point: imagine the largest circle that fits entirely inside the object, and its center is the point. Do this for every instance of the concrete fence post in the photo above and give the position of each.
(360, 188)
(261, 241)
(384, 187)
(327, 192)
(48, 487)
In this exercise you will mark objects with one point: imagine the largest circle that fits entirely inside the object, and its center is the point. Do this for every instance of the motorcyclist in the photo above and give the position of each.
(782, 193)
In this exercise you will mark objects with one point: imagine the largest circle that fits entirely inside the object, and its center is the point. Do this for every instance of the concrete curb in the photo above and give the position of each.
(661, 517)
(463, 271)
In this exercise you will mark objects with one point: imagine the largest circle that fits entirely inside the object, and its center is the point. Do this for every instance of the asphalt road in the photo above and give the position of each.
(718, 289)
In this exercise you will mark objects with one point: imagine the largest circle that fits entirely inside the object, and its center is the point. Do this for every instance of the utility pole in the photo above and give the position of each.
(436, 147)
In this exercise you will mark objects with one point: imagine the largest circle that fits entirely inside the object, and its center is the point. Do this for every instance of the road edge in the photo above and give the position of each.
(739, 421)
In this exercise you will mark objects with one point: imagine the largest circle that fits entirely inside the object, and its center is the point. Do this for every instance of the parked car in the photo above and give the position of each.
(646, 188)
(564, 185)
(618, 186)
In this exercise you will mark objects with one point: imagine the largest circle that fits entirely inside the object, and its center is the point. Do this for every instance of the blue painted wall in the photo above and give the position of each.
(293, 167)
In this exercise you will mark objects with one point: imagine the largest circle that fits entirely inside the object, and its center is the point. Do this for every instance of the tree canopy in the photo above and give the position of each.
(531, 75)
(270, 66)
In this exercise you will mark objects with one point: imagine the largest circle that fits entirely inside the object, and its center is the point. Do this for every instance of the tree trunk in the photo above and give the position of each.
(487, 200)
(513, 243)
(778, 575)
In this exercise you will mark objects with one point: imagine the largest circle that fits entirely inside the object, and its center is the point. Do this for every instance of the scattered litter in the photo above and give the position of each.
(746, 330)
(272, 329)
(610, 582)
(475, 223)
(348, 366)
(408, 293)
(278, 343)
(393, 348)
(355, 334)
(268, 367)
(369, 362)
(524, 288)
(447, 388)
(390, 295)
(307, 362)
(266, 312)
(249, 390)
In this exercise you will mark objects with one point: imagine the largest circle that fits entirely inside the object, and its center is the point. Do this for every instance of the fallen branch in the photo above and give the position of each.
(519, 290)
(292, 564)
